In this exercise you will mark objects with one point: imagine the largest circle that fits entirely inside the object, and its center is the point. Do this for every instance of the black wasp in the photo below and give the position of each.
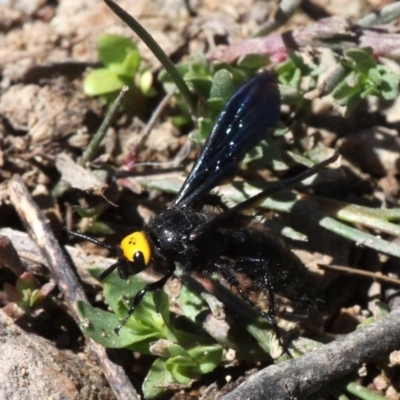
(200, 241)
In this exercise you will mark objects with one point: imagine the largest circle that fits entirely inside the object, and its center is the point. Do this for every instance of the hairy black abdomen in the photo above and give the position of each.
(263, 256)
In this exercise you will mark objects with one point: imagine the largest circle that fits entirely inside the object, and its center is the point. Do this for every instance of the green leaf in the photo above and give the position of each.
(102, 81)
(200, 134)
(143, 327)
(352, 103)
(180, 120)
(280, 130)
(157, 380)
(146, 319)
(294, 69)
(201, 85)
(115, 288)
(99, 325)
(178, 351)
(129, 67)
(253, 61)
(253, 154)
(343, 92)
(369, 91)
(390, 84)
(102, 228)
(295, 78)
(113, 49)
(214, 106)
(239, 75)
(87, 212)
(161, 304)
(207, 357)
(146, 83)
(198, 63)
(185, 366)
(269, 156)
(190, 303)
(375, 76)
(290, 95)
(358, 391)
(222, 86)
(291, 71)
(35, 296)
(181, 369)
(165, 78)
(363, 59)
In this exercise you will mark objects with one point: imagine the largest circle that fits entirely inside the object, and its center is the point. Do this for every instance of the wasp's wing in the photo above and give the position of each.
(251, 113)
(255, 200)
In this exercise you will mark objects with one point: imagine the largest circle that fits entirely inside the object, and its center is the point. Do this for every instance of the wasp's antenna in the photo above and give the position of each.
(108, 271)
(112, 248)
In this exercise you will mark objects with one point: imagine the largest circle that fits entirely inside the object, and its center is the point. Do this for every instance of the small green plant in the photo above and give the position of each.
(294, 69)
(184, 353)
(213, 84)
(25, 295)
(359, 75)
(122, 67)
(187, 343)
(363, 76)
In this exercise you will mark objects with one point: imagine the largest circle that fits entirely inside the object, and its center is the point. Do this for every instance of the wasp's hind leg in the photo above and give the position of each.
(270, 316)
(231, 279)
(151, 287)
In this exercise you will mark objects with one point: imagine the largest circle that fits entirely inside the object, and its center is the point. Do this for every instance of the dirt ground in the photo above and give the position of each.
(46, 50)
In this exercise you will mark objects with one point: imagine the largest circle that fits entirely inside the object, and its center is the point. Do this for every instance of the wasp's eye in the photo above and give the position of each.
(134, 243)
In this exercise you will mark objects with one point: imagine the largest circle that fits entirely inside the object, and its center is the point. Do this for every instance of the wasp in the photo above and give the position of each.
(202, 242)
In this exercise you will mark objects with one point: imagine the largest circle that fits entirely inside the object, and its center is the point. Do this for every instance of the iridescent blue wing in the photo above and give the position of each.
(248, 117)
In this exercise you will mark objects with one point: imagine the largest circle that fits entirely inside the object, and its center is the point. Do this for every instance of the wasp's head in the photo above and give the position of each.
(134, 254)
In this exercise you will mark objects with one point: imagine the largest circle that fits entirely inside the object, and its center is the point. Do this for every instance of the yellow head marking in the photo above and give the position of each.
(136, 241)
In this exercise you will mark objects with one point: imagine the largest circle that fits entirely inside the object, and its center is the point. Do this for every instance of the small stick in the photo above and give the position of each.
(101, 132)
(366, 274)
(154, 117)
(305, 375)
(37, 226)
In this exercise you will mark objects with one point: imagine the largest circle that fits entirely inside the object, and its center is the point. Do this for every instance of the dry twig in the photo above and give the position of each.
(37, 226)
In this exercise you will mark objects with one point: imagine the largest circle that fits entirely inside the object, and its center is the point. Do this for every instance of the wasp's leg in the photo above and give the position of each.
(265, 280)
(151, 287)
(270, 315)
(231, 279)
